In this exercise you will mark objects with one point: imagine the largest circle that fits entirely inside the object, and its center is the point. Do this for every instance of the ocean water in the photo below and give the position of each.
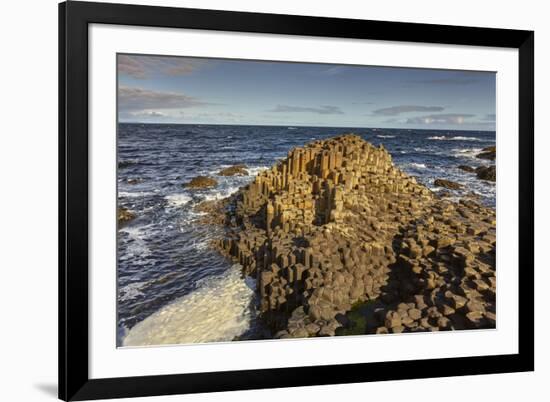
(172, 288)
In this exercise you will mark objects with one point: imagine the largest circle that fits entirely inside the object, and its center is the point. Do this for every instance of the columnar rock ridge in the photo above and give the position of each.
(336, 227)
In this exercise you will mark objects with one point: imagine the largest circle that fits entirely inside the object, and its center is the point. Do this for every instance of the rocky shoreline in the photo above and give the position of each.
(340, 241)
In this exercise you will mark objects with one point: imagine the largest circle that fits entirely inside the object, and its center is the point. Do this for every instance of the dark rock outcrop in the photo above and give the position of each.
(201, 182)
(451, 185)
(488, 173)
(336, 225)
(125, 164)
(466, 168)
(488, 153)
(235, 170)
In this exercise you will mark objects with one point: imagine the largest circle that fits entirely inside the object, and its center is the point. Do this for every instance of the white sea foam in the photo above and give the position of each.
(417, 165)
(137, 194)
(220, 194)
(385, 136)
(466, 152)
(218, 311)
(253, 171)
(178, 200)
(457, 138)
(189, 217)
(131, 291)
(138, 246)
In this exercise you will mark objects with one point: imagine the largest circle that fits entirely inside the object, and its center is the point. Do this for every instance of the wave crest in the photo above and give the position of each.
(457, 138)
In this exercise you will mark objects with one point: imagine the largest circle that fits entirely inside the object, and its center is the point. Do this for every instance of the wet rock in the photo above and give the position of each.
(235, 170)
(124, 215)
(466, 168)
(451, 185)
(201, 182)
(488, 173)
(488, 153)
(125, 164)
(134, 181)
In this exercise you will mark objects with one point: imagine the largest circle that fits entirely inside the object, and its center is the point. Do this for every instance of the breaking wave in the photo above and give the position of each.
(458, 138)
(466, 152)
(137, 194)
(219, 310)
(417, 165)
(220, 194)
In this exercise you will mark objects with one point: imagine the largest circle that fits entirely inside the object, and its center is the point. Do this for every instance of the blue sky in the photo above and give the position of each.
(159, 89)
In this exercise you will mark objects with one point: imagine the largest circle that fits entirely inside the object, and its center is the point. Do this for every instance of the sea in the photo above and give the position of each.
(172, 287)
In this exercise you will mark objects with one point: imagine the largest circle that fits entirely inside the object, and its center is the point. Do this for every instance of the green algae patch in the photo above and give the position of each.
(357, 320)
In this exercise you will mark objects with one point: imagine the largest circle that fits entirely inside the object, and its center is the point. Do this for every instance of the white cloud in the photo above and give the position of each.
(396, 110)
(135, 99)
(325, 109)
(142, 67)
(450, 118)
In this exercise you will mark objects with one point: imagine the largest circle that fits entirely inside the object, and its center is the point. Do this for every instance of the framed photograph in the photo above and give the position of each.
(257, 200)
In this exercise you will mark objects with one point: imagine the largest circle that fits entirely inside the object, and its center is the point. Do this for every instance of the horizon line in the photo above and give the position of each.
(298, 125)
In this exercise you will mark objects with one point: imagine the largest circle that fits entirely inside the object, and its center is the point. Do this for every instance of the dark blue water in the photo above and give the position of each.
(164, 256)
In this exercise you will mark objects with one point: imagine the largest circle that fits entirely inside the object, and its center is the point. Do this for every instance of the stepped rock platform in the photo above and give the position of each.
(341, 241)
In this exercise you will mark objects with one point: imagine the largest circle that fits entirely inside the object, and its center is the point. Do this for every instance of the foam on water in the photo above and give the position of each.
(131, 291)
(457, 138)
(417, 165)
(466, 152)
(189, 217)
(137, 194)
(177, 200)
(253, 171)
(385, 136)
(219, 310)
(137, 246)
(220, 194)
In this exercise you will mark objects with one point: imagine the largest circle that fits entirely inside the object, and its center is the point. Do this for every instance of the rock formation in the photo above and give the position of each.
(235, 170)
(488, 153)
(466, 168)
(488, 173)
(451, 185)
(336, 226)
(201, 182)
(124, 215)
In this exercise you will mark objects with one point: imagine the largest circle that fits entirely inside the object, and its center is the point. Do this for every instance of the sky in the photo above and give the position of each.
(185, 90)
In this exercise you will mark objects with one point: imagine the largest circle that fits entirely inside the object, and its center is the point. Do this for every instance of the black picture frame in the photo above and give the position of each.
(74, 19)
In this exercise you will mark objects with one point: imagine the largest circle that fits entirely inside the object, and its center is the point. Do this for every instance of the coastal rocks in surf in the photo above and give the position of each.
(212, 211)
(235, 170)
(488, 153)
(126, 164)
(467, 168)
(336, 234)
(134, 181)
(201, 182)
(451, 185)
(488, 173)
(124, 215)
